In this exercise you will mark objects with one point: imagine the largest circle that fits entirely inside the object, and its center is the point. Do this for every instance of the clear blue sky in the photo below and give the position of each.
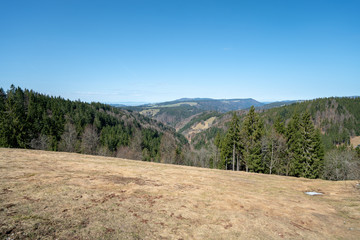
(152, 51)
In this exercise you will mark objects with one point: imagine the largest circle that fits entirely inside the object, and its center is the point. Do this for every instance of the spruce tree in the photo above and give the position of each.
(226, 152)
(318, 164)
(312, 150)
(231, 144)
(3, 141)
(252, 132)
(294, 142)
(305, 148)
(307, 132)
(279, 126)
(14, 128)
(217, 143)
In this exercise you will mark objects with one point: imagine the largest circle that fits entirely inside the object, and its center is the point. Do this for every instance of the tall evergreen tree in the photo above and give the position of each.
(305, 148)
(294, 142)
(312, 151)
(226, 151)
(318, 164)
(14, 129)
(231, 144)
(217, 143)
(252, 132)
(3, 141)
(279, 126)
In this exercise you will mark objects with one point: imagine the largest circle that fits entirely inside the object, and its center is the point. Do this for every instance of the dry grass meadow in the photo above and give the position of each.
(50, 195)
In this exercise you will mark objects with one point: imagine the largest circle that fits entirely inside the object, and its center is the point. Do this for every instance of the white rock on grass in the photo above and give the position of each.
(313, 193)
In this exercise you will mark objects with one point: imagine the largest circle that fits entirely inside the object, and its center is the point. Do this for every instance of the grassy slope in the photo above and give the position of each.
(68, 196)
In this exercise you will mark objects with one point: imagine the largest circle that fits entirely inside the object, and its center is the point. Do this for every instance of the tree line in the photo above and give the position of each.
(33, 120)
(292, 149)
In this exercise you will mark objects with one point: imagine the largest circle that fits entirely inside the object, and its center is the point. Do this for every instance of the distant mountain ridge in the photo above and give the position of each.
(278, 104)
(173, 113)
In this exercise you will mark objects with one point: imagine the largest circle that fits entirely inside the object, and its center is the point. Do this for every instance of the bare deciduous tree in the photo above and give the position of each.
(40, 143)
(167, 148)
(68, 138)
(341, 165)
(133, 151)
(273, 148)
(89, 140)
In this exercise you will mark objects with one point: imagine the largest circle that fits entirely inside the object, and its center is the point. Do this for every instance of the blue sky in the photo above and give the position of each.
(153, 51)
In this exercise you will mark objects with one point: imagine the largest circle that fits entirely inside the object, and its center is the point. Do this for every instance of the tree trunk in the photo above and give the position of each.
(216, 157)
(272, 156)
(233, 160)
(237, 163)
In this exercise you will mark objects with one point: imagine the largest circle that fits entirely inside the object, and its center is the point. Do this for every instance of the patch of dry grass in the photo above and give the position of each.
(72, 196)
(205, 124)
(150, 112)
(355, 141)
(177, 104)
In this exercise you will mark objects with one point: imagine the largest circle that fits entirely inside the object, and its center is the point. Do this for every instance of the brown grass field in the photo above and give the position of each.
(51, 195)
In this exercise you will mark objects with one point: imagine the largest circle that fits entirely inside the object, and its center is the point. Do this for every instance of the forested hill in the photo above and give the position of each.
(32, 120)
(308, 139)
(338, 118)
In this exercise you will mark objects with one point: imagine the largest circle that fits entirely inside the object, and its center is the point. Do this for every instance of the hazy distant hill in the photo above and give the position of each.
(127, 104)
(208, 104)
(173, 113)
(278, 104)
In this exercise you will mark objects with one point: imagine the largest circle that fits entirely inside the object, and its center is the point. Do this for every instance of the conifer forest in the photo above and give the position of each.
(279, 140)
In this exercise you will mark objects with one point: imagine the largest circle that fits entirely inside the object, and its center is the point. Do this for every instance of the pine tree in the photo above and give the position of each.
(312, 151)
(305, 148)
(234, 134)
(2, 100)
(3, 141)
(231, 144)
(279, 126)
(226, 151)
(318, 164)
(13, 125)
(217, 143)
(307, 131)
(252, 132)
(294, 141)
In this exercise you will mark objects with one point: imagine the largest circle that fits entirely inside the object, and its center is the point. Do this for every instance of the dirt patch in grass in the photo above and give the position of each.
(52, 195)
(124, 180)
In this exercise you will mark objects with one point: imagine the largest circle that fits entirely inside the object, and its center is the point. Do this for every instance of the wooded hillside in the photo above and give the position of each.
(33, 120)
(309, 139)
